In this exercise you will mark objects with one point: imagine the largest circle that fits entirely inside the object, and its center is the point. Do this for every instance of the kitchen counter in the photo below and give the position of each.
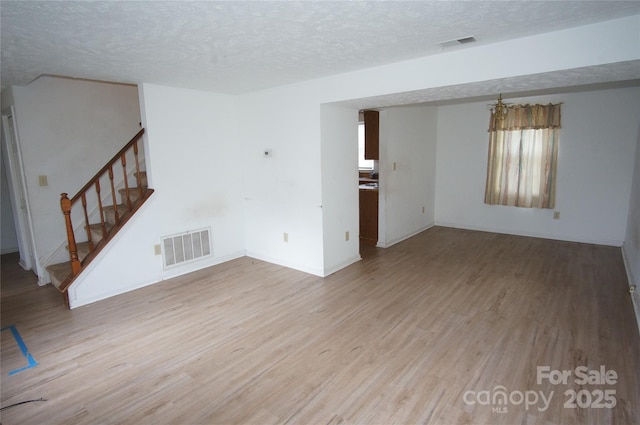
(369, 186)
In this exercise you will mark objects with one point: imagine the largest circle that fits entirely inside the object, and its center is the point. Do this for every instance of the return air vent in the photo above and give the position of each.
(456, 42)
(186, 247)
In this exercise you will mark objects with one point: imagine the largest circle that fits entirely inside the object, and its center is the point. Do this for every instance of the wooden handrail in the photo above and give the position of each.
(113, 160)
(94, 183)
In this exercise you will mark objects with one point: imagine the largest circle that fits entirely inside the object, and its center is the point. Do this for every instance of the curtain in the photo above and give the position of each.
(523, 152)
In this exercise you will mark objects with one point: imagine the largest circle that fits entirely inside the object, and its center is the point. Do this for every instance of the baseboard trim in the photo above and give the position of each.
(79, 302)
(337, 267)
(199, 264)
(280, 262)
(635, 296)
(606, 242)
(387, 244)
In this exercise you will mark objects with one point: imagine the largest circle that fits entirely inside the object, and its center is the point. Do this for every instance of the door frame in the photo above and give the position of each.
(18, 192)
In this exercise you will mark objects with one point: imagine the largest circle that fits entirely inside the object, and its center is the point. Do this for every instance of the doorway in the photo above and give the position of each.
(12, 161)
(368, 177)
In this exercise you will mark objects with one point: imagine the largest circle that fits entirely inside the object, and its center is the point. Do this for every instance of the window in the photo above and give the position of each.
(363, 164)
(523, 155)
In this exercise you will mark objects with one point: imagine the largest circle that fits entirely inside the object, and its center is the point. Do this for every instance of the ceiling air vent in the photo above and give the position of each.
(456, 42)
(185, 247)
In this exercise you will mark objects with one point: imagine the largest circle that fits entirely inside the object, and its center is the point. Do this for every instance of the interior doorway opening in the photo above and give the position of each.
(12, 161)
(368, 177)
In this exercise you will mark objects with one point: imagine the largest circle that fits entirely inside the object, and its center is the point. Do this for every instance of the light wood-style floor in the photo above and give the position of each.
(403, 337)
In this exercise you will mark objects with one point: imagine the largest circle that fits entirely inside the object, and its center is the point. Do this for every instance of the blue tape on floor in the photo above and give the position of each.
(23, 347)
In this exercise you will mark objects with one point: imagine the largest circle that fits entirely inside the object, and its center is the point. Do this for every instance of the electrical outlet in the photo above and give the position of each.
(346, 235)
(285, 237)
(556, 215)
(157, 250)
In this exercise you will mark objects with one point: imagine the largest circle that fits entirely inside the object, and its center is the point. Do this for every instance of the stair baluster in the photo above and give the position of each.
(126, 182)
(65, 203)
(116, 214)
(86, 220)
(138, 179)
(100, 210)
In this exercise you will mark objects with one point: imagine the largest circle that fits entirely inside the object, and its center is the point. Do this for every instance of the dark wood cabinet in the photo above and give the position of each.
(369, 216)
(371, 135)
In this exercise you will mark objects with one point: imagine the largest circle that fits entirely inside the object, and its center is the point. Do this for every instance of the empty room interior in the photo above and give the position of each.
(352, 212)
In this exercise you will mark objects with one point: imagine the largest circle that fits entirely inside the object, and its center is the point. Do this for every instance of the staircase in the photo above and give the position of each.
(100, 223)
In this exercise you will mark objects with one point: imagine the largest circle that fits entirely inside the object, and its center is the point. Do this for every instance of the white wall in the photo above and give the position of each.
(68, 129)
(340, 205)
(193, 163)
(408, 137)
(595, 165)
(631, 247)
(283, 191)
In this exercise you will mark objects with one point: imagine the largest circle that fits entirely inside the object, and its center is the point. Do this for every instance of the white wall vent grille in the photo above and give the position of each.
(186, 247)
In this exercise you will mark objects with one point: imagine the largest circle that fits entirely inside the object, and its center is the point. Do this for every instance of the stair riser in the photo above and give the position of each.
(134, 195)
(110, 214)
(55, 281)
(96, 233)
(96, 236)
(59, 273)
(82, 250)
(143, 178)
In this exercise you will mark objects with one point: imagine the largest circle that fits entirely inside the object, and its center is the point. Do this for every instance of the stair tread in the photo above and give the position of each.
(133, 189)
(110, 213)
(59, 272)
(121, 207)
(80, 245)
(82, 248)
(98, 226)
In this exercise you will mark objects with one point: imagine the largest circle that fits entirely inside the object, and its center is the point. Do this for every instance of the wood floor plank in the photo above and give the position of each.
(401, 337)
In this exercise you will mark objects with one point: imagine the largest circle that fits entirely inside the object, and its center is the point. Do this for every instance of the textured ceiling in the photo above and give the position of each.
(622, 74)
(238, 47)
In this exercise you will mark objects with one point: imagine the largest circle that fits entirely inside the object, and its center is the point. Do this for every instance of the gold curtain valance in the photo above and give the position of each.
(523, 117)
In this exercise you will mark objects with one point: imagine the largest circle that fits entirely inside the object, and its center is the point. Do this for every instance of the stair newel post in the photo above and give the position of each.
(102, 225)
(138, 179)
(123, 158)
(86, 220)
(65, 203)
(113, 196)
